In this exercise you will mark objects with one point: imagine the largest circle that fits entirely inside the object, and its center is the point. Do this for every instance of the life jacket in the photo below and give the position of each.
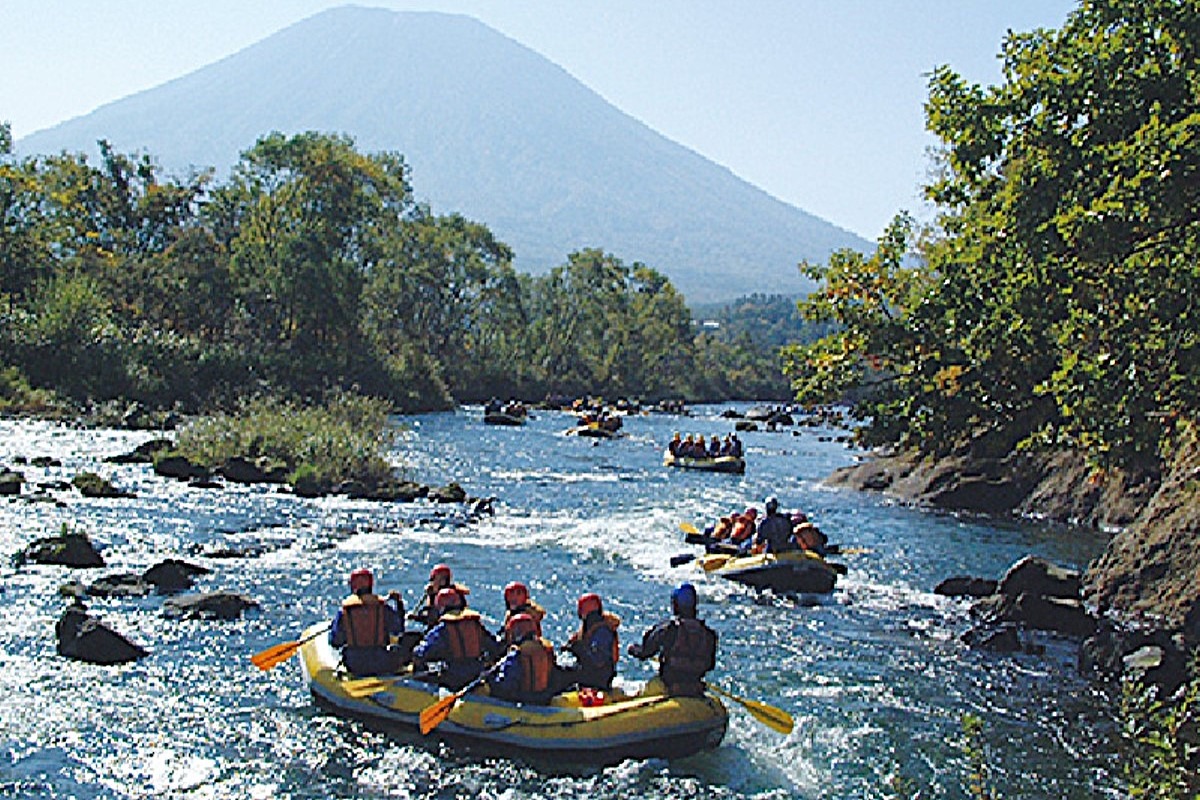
(693, 650)
(465, 633)
(806, 536)
(612, 621)
(724, 526)
(532, 609)
(536, 657)
(743, 529)
(366, 625)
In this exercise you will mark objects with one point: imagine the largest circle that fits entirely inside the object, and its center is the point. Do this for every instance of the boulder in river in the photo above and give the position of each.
(10, 481)
(173, 575)
(67, 549)
(142, 454)
(85, 638)
(125, 584)
(210, 605)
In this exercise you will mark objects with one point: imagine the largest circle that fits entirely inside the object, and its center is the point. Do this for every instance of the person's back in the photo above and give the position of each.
(595, 645)
(775, 531)
(685, 646)
(364, 627)
(459, 642)
(525, 675)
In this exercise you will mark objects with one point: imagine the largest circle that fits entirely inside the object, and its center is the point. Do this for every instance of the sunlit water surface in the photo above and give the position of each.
(874, 674)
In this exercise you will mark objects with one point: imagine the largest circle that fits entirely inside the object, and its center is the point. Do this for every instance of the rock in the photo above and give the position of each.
(45, 462)
(243, 470)
(173, 575)
(176, 466)
(67, 549)
(999, 639)
(1037, 576)
(745, 425)
(10, 482)
(1056, 614)
(965, 586)
(84, 638)
(90, 484)
(1152, 656)
(144, 453)
(451, 493)
(120, 585)
(210, 605)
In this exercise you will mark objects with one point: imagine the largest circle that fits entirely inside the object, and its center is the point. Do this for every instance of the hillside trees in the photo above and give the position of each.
(310, 269)
(1055, 298)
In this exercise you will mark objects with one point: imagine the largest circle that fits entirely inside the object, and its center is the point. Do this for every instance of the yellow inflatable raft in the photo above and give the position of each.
(719, 464)
(647, 725)
(797, 571)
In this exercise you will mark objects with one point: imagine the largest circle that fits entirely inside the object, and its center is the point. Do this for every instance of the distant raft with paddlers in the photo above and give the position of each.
(645, 725)
(732, 464)
(800, 571)
(594, 431)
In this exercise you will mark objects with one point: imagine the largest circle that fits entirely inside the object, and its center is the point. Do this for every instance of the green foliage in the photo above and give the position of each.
(1162, 740)
(347, 437)
(1052, 302)
(310, 270)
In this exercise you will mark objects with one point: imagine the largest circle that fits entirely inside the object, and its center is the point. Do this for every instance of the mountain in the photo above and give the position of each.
(491, 130)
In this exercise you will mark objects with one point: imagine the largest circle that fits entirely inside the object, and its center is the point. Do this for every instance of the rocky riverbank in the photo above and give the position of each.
(1145, 586)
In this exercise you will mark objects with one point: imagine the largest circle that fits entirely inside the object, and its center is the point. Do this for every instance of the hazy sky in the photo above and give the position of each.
(819, 102)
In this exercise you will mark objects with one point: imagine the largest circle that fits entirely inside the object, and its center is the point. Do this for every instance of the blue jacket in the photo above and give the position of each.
(439, 646)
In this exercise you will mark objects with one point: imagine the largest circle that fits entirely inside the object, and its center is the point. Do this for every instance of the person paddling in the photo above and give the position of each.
(364, 627)
(459, 642)
(440, 578)
(525, 675)
(685, 646)
(595, 645)
(775, 531)
(516, 601)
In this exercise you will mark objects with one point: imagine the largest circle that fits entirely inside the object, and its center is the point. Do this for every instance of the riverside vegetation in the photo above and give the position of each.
(1048, 315)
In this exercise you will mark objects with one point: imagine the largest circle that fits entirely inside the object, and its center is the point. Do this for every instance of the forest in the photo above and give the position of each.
(1053, 300)
(312, 269)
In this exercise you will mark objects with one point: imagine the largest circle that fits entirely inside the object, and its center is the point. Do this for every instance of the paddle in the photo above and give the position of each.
(276, 654)
(774, 718)
(436, 714)
(688, 527)
(681, 559)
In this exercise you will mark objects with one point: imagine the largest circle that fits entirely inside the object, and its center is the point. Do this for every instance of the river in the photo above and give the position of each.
(874, 673)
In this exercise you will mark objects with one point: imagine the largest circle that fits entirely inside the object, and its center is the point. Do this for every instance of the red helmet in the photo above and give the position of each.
(520, 626)
(515, 594)
(361, 580)
(447, 599)
(441, 570)
(587, 604)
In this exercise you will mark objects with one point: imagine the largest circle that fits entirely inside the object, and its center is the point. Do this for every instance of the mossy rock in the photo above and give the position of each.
(10, 482)
(67, 549)
(90, 484)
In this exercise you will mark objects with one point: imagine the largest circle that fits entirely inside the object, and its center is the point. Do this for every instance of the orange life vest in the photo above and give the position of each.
(694, 649)
(466, 634)
(743, 529)
(532, 609)
(366, 625)
(613, 622)
(537, 660)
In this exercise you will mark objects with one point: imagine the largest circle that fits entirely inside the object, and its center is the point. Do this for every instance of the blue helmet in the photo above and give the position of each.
(683, 597)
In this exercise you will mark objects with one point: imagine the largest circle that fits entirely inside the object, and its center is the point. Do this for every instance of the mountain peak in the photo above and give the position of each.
(491, 130)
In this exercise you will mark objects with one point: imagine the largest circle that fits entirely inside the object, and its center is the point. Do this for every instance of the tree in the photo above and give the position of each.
(1054, 302)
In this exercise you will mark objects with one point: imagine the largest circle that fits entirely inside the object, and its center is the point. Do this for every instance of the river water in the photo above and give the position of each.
(874, 674)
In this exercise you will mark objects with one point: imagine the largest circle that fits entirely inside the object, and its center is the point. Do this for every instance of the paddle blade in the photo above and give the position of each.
(774, 718)
(688, 527)
(275, 655)
(436, 714)
(714, 561)
(363, 687)
(681, 559)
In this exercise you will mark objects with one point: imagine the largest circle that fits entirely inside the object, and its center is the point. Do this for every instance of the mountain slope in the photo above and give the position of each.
(491, 130)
